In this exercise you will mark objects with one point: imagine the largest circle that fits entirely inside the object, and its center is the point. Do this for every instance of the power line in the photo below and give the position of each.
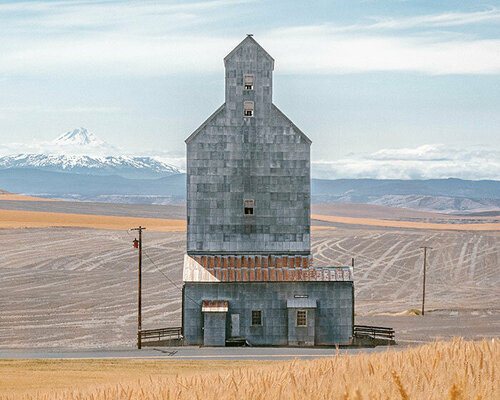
(139, 310)
(167, 277)
(170, 280)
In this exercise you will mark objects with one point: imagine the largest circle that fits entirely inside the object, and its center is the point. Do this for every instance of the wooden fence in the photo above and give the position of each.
(160, 335)
(374, 332)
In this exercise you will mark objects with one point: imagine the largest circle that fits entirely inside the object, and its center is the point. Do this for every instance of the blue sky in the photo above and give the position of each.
(385, 89)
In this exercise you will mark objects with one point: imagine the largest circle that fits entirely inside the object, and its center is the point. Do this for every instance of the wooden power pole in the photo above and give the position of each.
(423, 283)
(139, 312)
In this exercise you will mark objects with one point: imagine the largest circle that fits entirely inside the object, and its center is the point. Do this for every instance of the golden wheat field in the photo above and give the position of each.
(440, 370)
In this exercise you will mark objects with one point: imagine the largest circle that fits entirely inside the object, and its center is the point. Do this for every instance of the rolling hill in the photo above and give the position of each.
(444, 195)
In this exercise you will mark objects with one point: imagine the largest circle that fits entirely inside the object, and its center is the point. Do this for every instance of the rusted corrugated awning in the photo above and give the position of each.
(214, 306)
(258, 268)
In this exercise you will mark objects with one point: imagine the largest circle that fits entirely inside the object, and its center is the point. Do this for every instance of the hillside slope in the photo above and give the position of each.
(443, 195)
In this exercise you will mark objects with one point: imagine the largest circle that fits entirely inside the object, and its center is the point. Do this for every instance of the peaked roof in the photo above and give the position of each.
(280, 113)
(207, 121)
(248, 39)
(291, 123)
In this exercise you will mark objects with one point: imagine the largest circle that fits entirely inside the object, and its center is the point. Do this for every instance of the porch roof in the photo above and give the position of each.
(301, 303)
(214, 306)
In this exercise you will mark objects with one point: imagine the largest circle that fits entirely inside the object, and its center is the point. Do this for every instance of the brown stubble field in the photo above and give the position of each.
(7, 196)
(77, 288)
(15, 219)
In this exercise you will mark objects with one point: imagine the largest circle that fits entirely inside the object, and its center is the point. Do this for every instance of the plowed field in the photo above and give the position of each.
(74, 287)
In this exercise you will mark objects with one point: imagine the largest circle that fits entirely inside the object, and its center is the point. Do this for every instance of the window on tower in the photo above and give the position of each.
(248, 206)
(248, 82)
(248, 108)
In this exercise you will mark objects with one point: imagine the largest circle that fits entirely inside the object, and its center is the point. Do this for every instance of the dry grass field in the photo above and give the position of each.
(18, 211)
(19, 197)
(483, 226)
(440, 370)
(14, 219)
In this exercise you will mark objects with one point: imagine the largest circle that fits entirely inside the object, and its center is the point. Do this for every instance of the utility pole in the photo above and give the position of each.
(352, 294)
(423, 284)
(138, 244)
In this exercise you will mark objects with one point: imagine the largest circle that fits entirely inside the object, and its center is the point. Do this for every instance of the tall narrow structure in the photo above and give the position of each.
(248, 168)
(248, 222)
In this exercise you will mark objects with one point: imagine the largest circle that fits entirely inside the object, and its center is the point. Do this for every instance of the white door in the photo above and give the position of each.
(235, 325)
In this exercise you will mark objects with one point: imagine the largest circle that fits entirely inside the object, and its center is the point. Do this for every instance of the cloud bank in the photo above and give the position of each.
(148, 38)
(432, 161)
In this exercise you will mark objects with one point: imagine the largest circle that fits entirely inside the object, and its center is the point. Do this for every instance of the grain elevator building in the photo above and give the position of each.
(248, 271)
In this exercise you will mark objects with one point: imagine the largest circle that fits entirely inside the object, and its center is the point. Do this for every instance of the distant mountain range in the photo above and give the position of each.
(79, 166)
(361, 190)
(75, 152)
(126, 166)
(444, 195)
(111, 188)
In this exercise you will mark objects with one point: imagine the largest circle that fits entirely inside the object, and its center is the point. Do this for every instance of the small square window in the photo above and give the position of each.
(248, 206)
(248, 108)
(248, 82)
(256, 318)
(301, 317)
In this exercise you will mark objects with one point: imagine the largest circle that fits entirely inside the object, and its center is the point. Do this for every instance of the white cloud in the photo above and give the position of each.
(150, 39)
(491, 15)
(116, 56)
(430, 161)
(144, 16)
(433, 161)
(47, 147)
(311, 51)
(177, 160)
(71, 110)
(321, 50)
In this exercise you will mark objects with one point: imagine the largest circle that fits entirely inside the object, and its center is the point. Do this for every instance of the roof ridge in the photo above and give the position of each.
(205, 123)
(249, 37)
(306, 138)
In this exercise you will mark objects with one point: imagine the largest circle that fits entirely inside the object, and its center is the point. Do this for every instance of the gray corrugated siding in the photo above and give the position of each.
(301, 303)
(333, 314)
(264, 158)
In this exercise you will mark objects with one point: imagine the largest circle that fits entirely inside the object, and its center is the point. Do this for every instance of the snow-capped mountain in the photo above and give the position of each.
(79, 142)
(78, 137)
(126, 166)
(80, 151)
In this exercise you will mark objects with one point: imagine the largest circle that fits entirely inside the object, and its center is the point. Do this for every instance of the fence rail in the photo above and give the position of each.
(160, 334)
(374, 332)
